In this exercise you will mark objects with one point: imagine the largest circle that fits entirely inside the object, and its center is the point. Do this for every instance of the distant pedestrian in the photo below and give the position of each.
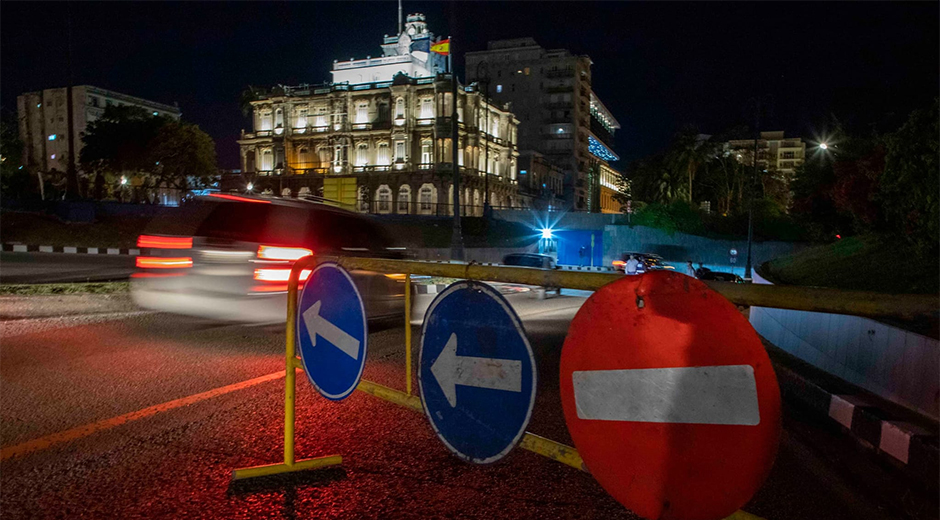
(689, 269)
(632, 264)
(581, 253)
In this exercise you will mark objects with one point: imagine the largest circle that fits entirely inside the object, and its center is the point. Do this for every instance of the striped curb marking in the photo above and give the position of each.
(23, 248)
(906, 443)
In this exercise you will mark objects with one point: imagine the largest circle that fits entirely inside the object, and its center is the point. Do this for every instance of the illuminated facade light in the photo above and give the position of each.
(52, 156)
(52, 137)
(600, 151)
(156, 113)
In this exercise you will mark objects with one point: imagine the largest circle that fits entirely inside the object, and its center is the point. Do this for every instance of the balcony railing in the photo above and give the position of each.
(559, 73)
(424, 121)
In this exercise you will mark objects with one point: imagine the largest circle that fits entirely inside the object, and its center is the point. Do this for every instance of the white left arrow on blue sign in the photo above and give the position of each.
(319, 326)
(451, 370)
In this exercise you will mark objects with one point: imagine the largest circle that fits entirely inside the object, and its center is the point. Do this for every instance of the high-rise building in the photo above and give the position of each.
(560, 116)
(778, 158)
(43, 121)
(379, 137)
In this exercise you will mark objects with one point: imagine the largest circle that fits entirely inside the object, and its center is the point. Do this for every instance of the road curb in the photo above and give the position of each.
(75, 250)
(902, 443)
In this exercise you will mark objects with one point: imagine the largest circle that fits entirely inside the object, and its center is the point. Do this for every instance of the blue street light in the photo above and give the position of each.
(547, 233)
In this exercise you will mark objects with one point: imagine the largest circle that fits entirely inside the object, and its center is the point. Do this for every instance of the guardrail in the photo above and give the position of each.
(810, 299)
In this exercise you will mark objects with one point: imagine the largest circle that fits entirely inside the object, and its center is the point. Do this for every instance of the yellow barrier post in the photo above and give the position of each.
(292, 363)
(408, 333)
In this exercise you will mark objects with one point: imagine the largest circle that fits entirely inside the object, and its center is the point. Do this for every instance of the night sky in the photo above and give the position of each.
(657, 66)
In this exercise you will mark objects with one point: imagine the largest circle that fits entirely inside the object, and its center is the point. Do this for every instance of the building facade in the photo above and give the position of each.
(778, 158)
(541, 182)
(384, 145)
(559, 114)
(43, 121)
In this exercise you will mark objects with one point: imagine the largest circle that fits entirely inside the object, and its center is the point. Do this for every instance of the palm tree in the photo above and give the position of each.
(687, 153)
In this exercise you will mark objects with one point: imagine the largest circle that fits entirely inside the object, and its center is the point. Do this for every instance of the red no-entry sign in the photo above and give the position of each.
(670, 397)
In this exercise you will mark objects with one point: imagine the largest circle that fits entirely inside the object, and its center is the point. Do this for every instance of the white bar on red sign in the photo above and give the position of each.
(725, 394)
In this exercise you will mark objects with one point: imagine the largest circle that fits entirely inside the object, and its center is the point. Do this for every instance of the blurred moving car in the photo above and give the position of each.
(647, 262)
(537, 261)
(708, 274)
(236, 265)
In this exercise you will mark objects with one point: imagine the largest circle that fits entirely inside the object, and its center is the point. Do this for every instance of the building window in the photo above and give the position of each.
(324, 155)
(279, 118)
(426, 152)
(384, 198)
(362, 113)
(399, 151)
(320, 119)
(266, 120)
(499, 89)
(302, 118)
(362, 151)
(427, 108)
(339, 157)
(494, 126)
(400, 108)
(52, 137)
(94, 101)
(426, 199)
(304, 158)
(267, 160)
(404, 199)
(382, 155)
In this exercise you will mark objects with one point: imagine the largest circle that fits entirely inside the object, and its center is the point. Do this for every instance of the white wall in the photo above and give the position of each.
(898, 365)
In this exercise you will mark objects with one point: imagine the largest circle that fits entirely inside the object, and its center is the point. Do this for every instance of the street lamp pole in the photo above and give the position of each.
(750, 204)
(456, 243)
(484, 79)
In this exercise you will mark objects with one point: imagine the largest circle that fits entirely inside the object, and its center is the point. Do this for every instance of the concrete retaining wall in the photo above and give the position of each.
(679, 247)
(895, 364)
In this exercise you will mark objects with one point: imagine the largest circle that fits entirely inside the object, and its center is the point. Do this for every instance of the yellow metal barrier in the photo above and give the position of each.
(797, 298)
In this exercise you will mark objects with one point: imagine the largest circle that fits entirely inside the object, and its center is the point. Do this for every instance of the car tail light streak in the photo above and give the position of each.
(164, 262)
(163, 242)
(279, 275)
(282, 253)
(618, 263)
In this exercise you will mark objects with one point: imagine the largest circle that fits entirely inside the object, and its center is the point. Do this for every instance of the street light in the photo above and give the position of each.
(823, 146)
(250, 186)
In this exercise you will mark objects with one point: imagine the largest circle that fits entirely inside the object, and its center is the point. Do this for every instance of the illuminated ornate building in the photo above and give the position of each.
(379, 137)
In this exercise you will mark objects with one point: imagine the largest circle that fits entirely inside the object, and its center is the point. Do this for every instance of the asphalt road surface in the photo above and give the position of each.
(91, 404)
(63, 267)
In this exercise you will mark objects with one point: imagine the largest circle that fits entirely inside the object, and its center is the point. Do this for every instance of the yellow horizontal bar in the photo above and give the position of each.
(743, 515)
(553, 450)
(859, 303)
(391, 395)
(277, 469)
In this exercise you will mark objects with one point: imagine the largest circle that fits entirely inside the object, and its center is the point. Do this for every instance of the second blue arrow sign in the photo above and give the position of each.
(477, 372)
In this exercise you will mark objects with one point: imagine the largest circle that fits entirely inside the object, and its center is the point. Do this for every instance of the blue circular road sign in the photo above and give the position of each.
(477, 373)
(331, 331)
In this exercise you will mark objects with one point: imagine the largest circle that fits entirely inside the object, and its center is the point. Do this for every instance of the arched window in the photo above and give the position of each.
(362, 152)
(266, 120)
(362, 113)
(427, 108)
(303, 159)
(426, 199)
(382, 158)
(404, 199)
(477, 203)
(383, 198)
(400, 108)
(278, 118)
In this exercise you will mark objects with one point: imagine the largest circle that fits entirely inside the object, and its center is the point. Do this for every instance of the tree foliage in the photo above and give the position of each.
(908, 188)
(150, 151)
